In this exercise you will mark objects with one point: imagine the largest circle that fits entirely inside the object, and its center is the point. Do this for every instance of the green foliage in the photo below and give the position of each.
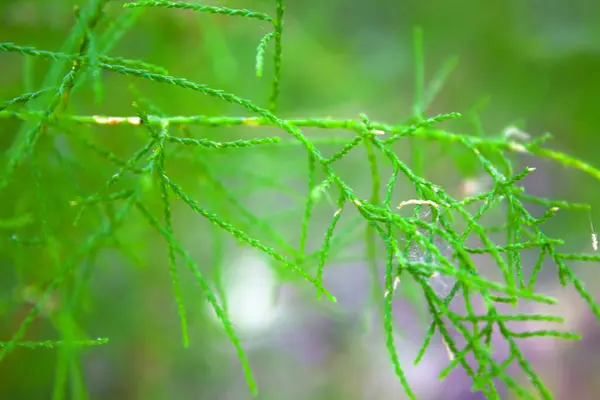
(416, 249)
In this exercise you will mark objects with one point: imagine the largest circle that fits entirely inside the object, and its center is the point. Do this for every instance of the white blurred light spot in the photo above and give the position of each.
(250, 287)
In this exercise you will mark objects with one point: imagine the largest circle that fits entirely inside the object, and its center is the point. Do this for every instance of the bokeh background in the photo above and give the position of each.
(530, 63)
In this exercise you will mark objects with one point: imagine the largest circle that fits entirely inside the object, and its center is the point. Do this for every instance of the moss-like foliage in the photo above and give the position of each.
(423, 250)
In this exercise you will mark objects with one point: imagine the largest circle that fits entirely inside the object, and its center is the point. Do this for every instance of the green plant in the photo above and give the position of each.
(55, 221)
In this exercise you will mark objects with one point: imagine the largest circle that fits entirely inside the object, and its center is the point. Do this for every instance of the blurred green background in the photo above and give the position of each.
(530, 63)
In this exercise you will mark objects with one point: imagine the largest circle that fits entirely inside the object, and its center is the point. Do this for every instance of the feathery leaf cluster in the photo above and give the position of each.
(417, 249)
